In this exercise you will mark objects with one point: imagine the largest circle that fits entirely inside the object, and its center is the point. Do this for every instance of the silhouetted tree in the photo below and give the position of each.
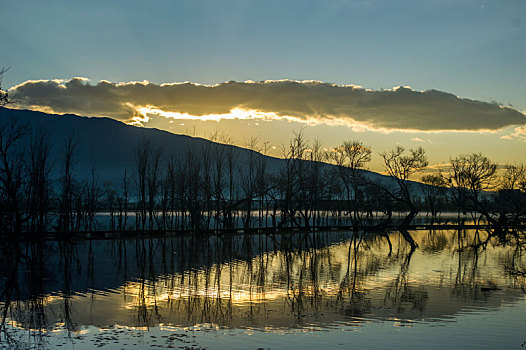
(11, 175)
(248, 178)
(231, 160)
(314, 183)
(400, 167)
(123, 201)
(153, 182)
(66, 196)
(512, 192)
(470, 175)
(193, 190)
(111, 199)
(434, 191)
(142, 158)
(350, 159)
(206, 171)
(39, 187)
(218, 180)
(92, 197)
(168, 194)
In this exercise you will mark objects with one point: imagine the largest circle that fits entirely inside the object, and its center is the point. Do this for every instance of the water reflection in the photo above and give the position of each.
(268, 281)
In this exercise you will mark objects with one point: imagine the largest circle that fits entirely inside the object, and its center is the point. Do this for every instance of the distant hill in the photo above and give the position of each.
(109, 145)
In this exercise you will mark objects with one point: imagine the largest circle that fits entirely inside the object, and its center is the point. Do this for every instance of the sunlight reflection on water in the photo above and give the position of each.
(322, 290)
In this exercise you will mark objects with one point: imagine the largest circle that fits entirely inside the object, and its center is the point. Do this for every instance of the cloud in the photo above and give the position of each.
(401, 108)
(418, 139)
(519, 133)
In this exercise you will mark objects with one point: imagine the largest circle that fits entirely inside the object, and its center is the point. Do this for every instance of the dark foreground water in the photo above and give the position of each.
(278, 291)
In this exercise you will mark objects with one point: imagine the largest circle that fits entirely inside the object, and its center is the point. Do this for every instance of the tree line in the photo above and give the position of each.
(217, 188)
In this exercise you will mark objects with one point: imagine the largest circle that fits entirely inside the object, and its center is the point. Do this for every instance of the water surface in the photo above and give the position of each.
(458, 289)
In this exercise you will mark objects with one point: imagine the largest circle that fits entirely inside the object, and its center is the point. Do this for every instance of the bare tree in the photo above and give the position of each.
(142, 157)
(168, 190)
(470, 175)
(313, 183)
(434, 192)
(514, 178)
(400, 166)
(153, 181)
(193, 191)
(65, 219)
(111, 195)
(148, 179)
(248, 178)
(12, 167)
(231, 160)
(512, 192)
(181, 192)
(39, 186)
(262, 184)
(206, 171)
(219, 173)
(292, 180)
(92, 197)
(123, 201)
(350, 159)
(219, 183)
(11, 175)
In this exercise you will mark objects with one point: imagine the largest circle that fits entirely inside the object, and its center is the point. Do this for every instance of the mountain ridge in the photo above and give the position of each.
(109, 145)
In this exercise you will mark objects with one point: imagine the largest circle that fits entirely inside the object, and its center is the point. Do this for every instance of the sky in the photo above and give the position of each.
(447, 75)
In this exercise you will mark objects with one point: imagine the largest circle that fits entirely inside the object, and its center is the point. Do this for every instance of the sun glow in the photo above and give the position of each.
(235, 114)
(144, 113)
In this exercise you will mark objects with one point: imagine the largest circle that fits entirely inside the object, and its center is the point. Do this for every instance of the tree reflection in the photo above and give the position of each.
(263, 280)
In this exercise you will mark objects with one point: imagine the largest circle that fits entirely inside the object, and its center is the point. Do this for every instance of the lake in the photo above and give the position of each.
(462, 289)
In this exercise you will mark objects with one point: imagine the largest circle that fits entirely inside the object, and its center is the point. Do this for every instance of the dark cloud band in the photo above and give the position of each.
(399, 108)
